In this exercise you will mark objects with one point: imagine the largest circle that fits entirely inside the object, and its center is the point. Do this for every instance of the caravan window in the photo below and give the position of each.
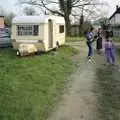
(23, 30)
(61, 29)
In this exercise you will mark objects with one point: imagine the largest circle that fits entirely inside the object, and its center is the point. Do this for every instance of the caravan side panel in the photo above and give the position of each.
(47, 31)
(29, 39)
(60, 33)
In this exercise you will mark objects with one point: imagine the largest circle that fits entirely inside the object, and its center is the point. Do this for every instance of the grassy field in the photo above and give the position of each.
(77, 39)
(74, 39)
(30, 86)
(116, 39)
(118, 51)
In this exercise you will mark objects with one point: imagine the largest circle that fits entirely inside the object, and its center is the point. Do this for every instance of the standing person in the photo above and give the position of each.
(99, 41)
(89, 37)
(110, 34)
(110, 51)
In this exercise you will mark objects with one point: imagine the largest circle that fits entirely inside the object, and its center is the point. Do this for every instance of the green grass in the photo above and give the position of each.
(116, 39)
(30, 86)
(118, 51)
(74, 39)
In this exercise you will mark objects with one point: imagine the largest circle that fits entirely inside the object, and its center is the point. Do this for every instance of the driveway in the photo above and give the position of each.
(93, 92)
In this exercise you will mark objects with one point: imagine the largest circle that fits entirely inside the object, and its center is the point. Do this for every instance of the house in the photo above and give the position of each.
(114, 22)
(1, 21)
(75, 28)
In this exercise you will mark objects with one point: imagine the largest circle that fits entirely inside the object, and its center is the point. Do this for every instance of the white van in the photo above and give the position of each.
(41, 32)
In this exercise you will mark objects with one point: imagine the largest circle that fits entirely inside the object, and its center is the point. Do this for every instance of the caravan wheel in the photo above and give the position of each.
(18, 53)
(57, 45)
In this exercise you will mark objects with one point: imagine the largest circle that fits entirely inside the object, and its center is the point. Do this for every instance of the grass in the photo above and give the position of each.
(77, 39)
(118, 51)
(116, 39)
(30, 86)
(107, 86)
(74, 39)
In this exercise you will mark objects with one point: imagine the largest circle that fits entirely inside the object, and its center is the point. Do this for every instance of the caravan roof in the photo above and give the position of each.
(38, 19)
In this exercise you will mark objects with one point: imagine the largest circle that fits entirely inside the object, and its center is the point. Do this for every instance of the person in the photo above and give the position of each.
(110, 34)
(99, 41)
(90, 37)
(110, 51)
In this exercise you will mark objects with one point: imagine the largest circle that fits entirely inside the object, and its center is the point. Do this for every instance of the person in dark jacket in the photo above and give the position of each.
(99, 41)
(110, 34)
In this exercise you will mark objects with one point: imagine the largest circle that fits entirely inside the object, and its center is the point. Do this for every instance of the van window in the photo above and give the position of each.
(61, 29)
(23, 30)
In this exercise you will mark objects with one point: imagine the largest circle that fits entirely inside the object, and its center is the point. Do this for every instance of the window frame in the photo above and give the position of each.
(61, 30)
(27, 30)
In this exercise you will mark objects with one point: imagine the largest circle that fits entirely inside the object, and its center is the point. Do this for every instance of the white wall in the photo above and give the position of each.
(112, 21)
(115, 19)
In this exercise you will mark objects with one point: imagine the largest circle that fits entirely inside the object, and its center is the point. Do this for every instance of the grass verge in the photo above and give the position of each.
(116, 39)
(118, 51)
(30, 86)
(74, 39)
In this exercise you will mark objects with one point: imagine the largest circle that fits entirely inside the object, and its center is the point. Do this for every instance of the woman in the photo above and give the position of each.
(99, 41)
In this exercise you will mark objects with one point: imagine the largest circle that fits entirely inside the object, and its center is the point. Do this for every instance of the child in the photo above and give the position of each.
(110, 51)
(89, 37)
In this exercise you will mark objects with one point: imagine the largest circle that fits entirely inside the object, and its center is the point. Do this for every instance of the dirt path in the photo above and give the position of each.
(82, 100)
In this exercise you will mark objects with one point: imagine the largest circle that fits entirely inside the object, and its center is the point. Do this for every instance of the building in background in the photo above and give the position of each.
(114, 22)
(2, 22)
(74, 31)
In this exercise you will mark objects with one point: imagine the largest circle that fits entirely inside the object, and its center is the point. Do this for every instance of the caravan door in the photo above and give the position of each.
(50, 33)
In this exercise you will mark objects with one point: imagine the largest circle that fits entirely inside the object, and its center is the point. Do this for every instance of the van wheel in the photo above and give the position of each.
(37, 53)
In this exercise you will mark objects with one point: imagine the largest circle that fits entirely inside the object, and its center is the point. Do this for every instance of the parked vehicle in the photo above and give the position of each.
(41, 33)
(5, 40)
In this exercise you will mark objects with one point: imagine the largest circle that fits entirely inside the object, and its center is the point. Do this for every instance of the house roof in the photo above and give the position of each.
(116, 12)
(37, 19)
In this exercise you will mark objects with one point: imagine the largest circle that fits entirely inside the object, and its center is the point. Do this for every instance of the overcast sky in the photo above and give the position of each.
(10, 5)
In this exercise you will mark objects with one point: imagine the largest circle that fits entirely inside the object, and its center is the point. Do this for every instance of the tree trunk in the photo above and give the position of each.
(81, 25)
(67, 25)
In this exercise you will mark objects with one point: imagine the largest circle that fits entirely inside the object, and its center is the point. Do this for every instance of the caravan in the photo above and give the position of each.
(37, 33)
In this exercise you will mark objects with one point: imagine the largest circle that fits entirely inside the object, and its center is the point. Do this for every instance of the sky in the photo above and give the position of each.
(11, 5)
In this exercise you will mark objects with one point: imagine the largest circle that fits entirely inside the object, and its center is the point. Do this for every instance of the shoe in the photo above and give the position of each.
(90, 60)
(89, 57)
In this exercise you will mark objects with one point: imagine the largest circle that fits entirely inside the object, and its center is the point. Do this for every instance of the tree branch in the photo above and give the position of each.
(87, 4)
(42, 4)
(52, 11)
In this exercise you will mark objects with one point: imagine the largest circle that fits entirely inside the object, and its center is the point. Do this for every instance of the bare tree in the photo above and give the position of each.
(63, 8)
(8, 18)
(2, 12)
(29, 11)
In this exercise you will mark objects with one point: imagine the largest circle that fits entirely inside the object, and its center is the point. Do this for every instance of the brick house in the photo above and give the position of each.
(2, 22)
